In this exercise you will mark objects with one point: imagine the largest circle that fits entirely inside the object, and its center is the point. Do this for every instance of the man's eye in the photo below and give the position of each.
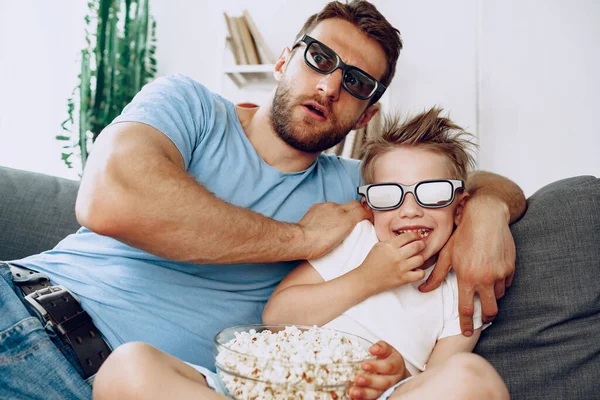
(319, 58)
(350, 80)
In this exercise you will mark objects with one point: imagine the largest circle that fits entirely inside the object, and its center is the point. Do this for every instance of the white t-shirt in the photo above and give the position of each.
(409, 320)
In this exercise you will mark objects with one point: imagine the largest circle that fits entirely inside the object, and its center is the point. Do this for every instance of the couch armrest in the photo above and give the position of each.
(36, 212)
(544, 341)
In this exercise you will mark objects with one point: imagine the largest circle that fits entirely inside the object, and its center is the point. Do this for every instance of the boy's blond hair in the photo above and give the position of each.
(427, 130)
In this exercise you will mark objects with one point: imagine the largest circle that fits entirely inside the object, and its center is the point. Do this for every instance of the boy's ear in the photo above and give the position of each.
(281, 63)
(363, 202)
(461, 205)
(366, 116)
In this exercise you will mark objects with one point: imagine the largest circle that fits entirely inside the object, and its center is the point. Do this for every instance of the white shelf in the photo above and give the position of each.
(244, 75)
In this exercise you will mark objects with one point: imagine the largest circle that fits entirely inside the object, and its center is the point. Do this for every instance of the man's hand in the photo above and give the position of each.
(325, 225)
(482, 252)
(382, 373)
(393, 263)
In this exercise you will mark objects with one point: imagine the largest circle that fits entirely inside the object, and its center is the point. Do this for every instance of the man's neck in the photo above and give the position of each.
(267, 143)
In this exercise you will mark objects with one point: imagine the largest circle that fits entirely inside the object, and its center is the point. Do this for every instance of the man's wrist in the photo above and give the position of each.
(483, 203)
(295, 243)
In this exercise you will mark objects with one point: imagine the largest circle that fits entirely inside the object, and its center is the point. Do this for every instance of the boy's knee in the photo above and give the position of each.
(122, 374)
(475, 378)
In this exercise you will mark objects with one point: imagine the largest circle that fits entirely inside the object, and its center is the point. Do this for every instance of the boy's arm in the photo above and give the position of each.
(450, 345)
(305, 298)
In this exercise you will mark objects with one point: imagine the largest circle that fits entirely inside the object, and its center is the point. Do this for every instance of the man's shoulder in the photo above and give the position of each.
(180, 85)
(332, 163)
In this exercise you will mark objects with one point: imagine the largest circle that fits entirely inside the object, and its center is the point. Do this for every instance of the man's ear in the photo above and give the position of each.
(461, 205)
(366, 116)
(281, 63)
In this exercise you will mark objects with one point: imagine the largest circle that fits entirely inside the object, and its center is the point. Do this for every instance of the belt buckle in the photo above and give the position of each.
(32, 298)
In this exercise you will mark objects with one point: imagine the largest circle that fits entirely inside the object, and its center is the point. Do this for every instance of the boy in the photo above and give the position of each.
(374, 299)
(414, 182)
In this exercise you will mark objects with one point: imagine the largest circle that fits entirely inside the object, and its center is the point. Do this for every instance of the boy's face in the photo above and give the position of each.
(409, 165)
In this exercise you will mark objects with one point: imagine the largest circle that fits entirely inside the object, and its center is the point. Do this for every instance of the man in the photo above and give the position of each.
(194, 210)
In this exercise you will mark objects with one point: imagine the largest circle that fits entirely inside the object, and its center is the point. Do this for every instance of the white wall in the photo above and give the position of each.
(39, 43)
(540, 88)
(521, 74)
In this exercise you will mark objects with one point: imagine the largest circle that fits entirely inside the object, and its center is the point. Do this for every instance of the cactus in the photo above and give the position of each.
(117, 61)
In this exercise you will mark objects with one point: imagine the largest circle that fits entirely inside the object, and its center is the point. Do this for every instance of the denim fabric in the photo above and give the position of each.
(34, 362)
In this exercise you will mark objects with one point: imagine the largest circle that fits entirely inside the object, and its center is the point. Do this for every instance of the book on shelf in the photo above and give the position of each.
(264, 53)
(236, 41)
(245, 41)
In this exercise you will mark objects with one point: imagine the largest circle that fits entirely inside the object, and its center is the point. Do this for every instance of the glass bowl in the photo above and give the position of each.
(254, 374)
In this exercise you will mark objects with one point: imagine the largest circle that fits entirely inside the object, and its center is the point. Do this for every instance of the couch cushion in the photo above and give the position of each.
(544, 342)
(36, 212)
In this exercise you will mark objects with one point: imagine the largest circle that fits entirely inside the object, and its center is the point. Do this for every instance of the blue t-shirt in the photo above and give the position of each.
(179, 307)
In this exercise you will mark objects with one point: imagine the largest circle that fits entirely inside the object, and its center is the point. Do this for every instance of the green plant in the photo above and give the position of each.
(117, 61)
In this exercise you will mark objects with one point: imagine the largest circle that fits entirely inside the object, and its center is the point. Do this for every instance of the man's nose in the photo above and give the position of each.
(410, 208)
(330, 85)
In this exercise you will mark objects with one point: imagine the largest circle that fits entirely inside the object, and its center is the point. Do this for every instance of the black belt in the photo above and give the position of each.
(59, 306)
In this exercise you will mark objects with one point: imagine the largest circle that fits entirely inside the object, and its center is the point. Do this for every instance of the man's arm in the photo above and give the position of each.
(482, 250)
(135, 189)
(499, 192)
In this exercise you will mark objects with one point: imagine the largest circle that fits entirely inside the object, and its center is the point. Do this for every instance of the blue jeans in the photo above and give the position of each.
(35, 363)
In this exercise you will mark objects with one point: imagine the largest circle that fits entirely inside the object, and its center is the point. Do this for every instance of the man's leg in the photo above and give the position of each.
(463, 376)
(140, 371)
(31, 365)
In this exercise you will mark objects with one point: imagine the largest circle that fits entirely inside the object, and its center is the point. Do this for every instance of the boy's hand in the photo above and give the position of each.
(382, 373)
(392, 263)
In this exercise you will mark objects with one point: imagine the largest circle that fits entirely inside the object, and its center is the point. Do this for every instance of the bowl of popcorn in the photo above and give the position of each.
(272, 362)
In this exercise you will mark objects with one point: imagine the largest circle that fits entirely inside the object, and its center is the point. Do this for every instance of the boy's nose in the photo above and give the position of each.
(410, 208)
(330, 85)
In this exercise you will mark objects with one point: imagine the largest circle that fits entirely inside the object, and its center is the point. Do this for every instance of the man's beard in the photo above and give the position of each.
(305, 140)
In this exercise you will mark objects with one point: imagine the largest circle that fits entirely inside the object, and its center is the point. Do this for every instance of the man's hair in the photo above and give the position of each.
(428, 131)
(369, 20)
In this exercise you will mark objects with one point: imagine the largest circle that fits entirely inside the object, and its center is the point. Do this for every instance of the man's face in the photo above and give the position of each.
(312, 112)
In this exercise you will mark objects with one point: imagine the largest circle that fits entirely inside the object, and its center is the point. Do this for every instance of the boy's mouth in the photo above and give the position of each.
(423, 232)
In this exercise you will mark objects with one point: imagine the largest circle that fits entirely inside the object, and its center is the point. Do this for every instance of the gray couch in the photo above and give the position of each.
(546, 340)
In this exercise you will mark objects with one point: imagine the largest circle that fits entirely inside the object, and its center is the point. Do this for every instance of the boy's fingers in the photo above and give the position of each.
(381, 349)
(413, 248)
(379, 382)
(364, 393)
(405, 238)
(383, 367)
(413, 276)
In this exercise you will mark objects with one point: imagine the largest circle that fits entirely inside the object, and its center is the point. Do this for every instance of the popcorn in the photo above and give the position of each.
(309, 364)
